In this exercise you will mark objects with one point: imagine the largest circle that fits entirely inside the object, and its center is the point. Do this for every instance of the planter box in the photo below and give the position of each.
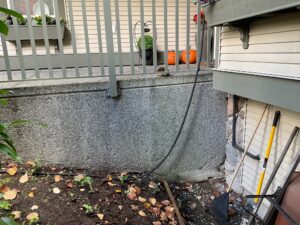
(37, 31)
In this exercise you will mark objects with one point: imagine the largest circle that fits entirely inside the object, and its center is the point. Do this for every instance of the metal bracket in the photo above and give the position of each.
(243, 28)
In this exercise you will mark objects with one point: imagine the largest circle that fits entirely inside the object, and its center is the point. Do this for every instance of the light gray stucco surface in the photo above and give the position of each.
(88, 130)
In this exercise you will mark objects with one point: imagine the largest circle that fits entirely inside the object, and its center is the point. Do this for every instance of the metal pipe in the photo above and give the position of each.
(234, 119)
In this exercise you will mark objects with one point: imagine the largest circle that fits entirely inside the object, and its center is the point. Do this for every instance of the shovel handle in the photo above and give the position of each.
(246, 149)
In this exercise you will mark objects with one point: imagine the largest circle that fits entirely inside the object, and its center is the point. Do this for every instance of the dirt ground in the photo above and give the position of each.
(53, 196)
(195, 199)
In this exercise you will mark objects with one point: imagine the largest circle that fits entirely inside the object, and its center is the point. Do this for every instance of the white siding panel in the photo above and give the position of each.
(92, 28)
(252, 168)
(274, 47)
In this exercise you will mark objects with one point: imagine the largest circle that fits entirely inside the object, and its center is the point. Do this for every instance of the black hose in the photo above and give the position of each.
(188, 106)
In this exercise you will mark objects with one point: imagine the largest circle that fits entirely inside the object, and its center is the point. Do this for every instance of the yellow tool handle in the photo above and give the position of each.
(267, 154)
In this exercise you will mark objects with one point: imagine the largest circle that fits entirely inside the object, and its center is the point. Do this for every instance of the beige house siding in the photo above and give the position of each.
(274, 48)
(252, 168)
(92, 28)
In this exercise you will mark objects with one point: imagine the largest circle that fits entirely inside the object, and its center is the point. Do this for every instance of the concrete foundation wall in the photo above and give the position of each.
(88, 130)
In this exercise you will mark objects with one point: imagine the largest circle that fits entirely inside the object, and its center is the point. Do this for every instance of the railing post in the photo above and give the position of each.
(113, 89)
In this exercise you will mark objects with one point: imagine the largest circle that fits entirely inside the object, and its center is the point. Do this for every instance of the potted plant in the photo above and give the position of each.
(148, 48)
(37, 28)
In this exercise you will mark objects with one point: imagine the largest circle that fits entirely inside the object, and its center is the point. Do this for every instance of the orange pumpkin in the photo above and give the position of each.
(193, 56)
(172, 58)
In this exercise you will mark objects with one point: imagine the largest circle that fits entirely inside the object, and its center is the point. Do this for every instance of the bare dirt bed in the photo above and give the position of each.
(67, 199)
(55, 196)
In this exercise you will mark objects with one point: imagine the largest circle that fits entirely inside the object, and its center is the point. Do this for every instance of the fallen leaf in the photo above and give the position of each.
(10, 194)
(137, 190)
(131, 190)
(142, 213)
(165, 202)
(141, 199)
(152, 201)
(16, 214)
(152, 185)
(147, 205)
(124, 173)
(12, 169)
(118, 191)
(134, 207)
(131, 196)
(69, 184)
(163, 216)
(156, 223)
(109, 177)
(32, 216)
(23, 179)
(57, 178)
(31, 194)
(4, 189)
(79, 177)
(170, 212)
(30, 163)
(56, 190)
(100, 216)
(111, 184)
(120, 207)
(173, 222)
(155, 211)
(34, 207)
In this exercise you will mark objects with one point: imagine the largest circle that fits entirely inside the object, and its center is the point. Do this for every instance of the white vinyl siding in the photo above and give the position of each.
(274, 47)
(252, 168)
(123, 8)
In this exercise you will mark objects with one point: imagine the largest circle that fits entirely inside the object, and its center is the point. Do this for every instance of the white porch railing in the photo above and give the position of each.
(98, 38)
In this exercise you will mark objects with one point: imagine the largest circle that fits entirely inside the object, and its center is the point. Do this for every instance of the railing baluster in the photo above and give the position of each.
(113, 91)
(73, 36)
(143, 37)
(6, 58)
(188, 35)
(166, 35)
(60, 43)
(119, 36)
(46, 39)
(86, 37)
(100, 44)
(198, 31)
(32, 41)
(177, 34)
(130, 37)
(18, 42)
(154, 32)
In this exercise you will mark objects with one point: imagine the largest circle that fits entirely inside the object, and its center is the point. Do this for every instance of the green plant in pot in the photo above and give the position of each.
(148, 48)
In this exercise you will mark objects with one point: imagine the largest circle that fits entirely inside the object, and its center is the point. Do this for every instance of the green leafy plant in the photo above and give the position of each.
(5, 205)
(148, 42)
(7, 221)
(84, 180)
(34, 221)
(88, 209)
(123, 179)
(6, 143)
(22, 21)
(50, 20)
(3, 26)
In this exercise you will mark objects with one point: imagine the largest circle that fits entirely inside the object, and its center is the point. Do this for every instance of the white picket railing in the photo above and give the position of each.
(98, 38)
